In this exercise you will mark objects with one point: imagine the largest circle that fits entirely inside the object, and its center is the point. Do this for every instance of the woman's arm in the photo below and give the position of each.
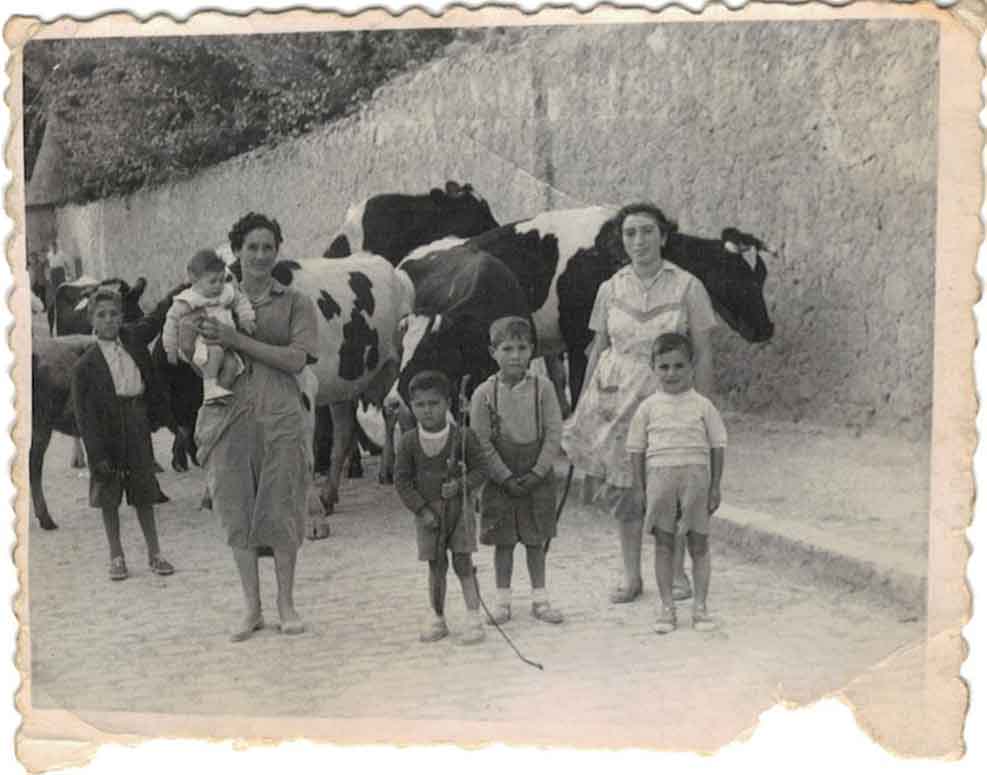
(702, 347)
(287, 358)
(601, 341)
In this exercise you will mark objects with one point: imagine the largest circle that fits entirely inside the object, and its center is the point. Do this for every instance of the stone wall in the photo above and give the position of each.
(819, 137)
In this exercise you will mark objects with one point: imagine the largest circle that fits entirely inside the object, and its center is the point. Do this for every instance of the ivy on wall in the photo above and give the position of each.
(141, 112)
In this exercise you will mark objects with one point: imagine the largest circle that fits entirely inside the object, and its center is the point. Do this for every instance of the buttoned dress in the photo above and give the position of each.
(632, 313)
(255, 449)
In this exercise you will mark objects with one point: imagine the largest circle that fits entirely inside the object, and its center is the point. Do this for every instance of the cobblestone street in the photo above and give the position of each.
(160, 645)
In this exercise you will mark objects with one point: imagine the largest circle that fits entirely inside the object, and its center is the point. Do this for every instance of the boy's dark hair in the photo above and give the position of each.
(104, 293)
(668, 343)
(429, 380)
(205, 261)
(511, 327)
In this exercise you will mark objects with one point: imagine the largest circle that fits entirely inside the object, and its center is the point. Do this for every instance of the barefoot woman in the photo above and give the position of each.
(253, 447)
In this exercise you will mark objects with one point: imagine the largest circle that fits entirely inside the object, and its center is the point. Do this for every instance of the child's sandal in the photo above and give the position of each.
(118, 569)
(544, 612)
(666, 621)
(702, 621)
(501, 614)
(437, 630)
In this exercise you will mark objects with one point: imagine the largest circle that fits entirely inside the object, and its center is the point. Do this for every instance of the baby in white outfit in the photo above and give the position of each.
(221, 300)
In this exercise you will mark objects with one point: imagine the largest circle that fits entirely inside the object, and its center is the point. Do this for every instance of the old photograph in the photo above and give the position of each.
(595, 380)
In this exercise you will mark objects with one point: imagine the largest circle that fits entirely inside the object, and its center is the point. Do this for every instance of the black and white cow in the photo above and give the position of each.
(392, 225)
(360, 301)
(560, 259)
(71, 307)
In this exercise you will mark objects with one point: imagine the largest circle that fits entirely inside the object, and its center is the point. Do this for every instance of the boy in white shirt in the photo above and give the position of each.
(676, 442)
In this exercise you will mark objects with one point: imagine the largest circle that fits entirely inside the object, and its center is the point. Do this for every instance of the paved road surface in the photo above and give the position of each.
(160, 645)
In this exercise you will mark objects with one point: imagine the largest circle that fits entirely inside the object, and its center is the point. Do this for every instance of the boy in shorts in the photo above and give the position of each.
(428, 479)
(518, 422)
(676, 442)
(117, 401)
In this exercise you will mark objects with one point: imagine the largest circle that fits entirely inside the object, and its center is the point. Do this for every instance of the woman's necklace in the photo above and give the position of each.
(257, 298)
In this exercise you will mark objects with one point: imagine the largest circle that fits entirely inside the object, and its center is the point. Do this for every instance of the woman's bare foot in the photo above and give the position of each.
(251, 623)
(291, 622)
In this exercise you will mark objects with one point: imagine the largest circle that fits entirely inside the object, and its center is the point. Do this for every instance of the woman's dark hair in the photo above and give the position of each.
(248, 223)
(666, 224)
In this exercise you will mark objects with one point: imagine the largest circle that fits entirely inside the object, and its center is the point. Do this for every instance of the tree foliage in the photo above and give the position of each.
(139, 112)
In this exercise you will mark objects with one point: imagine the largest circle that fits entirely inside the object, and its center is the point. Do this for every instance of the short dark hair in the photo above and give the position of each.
(104, 293)
(668, 343)
(248, 223)
(203, 262)
(429, 380)
(511, 327)
(666, 224)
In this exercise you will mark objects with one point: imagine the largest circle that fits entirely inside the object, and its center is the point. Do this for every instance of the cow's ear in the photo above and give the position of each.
(730, 247)
(453, 189)
(139, 287)
(437, 195)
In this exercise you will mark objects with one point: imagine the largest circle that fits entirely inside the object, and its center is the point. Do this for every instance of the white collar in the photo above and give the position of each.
(433, 436)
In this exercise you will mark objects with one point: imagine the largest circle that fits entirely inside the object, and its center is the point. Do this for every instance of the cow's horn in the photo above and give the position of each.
(730, 246)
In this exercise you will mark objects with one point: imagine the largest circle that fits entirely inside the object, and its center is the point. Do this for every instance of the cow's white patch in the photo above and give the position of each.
(315, 276)
(353, 226)
(575, 230)
(442, 244)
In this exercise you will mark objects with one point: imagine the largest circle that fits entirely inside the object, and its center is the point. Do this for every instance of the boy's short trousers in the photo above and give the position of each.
(140, 483)
(671, 487)
(462, 539)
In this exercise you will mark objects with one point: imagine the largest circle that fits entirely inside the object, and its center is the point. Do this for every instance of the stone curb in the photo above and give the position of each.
(822, 556)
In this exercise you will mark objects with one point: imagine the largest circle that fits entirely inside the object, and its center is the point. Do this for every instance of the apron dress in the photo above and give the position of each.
(595, 437)
(529, 520)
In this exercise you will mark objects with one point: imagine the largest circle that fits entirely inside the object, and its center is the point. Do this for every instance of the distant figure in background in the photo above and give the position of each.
(37, 272)
(220, 300)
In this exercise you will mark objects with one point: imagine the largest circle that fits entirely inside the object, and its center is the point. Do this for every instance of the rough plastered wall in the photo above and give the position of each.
(818, 137)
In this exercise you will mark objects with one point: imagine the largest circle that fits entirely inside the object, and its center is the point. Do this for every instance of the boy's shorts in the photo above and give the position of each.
(671, 487)
(140, 484)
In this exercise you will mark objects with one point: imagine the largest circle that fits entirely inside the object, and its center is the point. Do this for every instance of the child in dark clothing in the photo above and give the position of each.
(428, 479)
(116, 402)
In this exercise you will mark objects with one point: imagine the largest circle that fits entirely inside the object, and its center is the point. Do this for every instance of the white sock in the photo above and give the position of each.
(504, 596)
(539, 595)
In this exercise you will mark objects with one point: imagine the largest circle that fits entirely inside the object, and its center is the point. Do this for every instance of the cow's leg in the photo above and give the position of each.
(78, 453)
(385, 475)
(343, 420)
(40, 438)
(405, 421)
(556, 373)
(323, 439)
(577, 372)
(355, 468)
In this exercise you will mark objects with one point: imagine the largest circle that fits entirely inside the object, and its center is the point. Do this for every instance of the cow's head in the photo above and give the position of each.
(733, 272)
(454, 346)
(467, 213)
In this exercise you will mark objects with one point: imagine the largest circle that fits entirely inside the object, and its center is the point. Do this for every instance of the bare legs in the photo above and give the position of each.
(284, 567)
(145, 516)
(630, 551)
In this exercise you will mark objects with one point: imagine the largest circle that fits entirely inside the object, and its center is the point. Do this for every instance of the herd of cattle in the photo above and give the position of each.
(413, 283)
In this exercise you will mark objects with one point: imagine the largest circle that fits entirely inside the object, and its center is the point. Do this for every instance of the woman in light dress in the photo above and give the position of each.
(646, 298)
